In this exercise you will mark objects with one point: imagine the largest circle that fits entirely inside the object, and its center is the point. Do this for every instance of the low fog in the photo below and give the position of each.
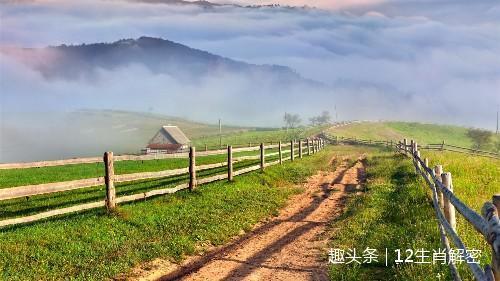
(377, 60)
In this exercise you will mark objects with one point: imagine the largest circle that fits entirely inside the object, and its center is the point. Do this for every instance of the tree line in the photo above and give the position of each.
(293, 120)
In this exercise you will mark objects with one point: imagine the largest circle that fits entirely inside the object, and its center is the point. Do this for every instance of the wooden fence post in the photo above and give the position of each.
(291, 151)
(496, 202)
(438, 171)
(192, 168)
(405, 143)
(449, 209)
(495, 255)
(262, 157)
(426, 163)
(110, 181)
(206, 147)
(230, 163)
(442, 146)
(300, 149)
(280, 152)
(308, 147)
(417, 163)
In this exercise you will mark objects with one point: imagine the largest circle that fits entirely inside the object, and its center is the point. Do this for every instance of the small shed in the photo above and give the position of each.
(169, 139)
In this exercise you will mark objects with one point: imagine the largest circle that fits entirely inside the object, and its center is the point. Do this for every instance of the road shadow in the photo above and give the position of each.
(256, 261)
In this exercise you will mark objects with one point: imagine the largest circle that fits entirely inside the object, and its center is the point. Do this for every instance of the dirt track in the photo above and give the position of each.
(291, 246)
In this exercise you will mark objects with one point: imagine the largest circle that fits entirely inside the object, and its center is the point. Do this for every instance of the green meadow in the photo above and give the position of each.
(94, 245)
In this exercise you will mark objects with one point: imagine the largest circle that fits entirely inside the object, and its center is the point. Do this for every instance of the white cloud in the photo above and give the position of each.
(376, 55)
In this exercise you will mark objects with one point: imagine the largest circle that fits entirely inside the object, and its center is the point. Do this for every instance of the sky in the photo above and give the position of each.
(429, 61)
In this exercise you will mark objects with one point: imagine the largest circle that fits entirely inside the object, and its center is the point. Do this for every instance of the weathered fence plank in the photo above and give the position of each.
(109, 178)
(230, 163)
(192, 168)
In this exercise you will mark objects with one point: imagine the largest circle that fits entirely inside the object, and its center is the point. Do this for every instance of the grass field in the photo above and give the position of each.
(93, 245)
(28, 206)
(422, 133)
(475, 180)
(257, 136)
(19, 177)
(396, 213)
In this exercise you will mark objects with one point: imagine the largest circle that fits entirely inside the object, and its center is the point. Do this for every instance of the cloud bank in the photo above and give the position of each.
(404, 60)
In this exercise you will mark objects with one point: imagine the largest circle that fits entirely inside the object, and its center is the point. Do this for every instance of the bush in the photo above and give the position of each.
(480, 138)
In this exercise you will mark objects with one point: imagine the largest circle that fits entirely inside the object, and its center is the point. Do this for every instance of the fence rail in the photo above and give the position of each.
(110, 201)
(488, 224)
(432, 146)
(154, 156)
(453, 148)
(445, 202)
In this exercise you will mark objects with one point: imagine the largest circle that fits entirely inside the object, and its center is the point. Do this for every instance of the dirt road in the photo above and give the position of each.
(291, 246)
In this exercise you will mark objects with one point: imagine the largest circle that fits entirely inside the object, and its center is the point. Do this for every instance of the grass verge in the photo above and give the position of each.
(475, 180)
(94, 245)
(394, 213)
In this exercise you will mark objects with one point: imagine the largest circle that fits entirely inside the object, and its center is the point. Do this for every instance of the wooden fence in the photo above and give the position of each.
(448, 147)
(443, 199)
(154, 156)
(109, 179)
(433, 146)
(445, 204)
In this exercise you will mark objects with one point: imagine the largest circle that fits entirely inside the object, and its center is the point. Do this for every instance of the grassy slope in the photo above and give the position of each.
(19, 177)
(475, 180)
(28, 206)
(394, 213)
(257, 136)
(94, 246)
(145, 124)
(422, 133)
(91, 132)
(30, 137)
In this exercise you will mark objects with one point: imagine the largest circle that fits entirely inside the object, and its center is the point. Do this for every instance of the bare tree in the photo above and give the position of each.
(322, 119)
(291, 120)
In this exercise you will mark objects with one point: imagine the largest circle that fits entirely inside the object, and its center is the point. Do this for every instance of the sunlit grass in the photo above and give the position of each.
(394, 213)
(475, 180)
(95, 246)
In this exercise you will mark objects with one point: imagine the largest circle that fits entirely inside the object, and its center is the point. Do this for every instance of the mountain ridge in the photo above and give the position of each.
(157, 54)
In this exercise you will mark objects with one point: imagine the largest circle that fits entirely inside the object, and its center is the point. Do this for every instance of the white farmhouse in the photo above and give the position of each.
(169, 139)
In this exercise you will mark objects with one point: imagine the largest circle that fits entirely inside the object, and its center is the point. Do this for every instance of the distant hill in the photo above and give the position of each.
(158, 55)
(46, 136)
(422, 133)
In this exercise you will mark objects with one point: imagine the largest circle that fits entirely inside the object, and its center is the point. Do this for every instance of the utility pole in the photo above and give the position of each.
(220, 133)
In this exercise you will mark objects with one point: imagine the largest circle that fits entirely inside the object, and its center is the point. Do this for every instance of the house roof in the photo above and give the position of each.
(176, 134)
